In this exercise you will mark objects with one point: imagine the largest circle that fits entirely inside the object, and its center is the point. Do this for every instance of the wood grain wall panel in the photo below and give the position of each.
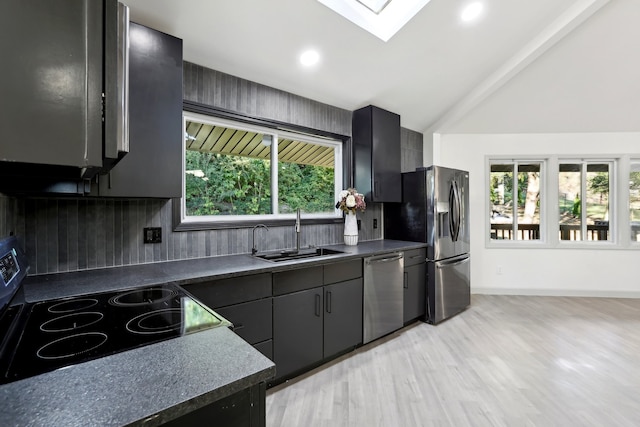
(65, 234)
(410, 150)
(232, 93)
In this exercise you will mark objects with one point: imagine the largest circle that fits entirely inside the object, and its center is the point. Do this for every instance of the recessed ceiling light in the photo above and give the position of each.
(471, 12)
(309, 57)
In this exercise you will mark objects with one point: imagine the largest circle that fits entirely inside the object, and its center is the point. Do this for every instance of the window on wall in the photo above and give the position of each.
(584, 191)
(236, 172)
(634, 200)
(514, 193)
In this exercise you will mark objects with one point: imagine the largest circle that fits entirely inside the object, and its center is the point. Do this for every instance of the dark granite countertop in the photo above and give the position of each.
(51, 286)
(162, 380)
(145, 386)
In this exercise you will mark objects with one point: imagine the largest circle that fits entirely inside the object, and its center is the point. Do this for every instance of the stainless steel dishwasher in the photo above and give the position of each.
(383, 295)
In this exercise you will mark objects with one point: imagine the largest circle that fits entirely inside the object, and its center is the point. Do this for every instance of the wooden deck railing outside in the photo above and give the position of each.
(532, 232)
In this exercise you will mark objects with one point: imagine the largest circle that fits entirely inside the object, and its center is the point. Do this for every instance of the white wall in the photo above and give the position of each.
(547, 271)
(587, 82)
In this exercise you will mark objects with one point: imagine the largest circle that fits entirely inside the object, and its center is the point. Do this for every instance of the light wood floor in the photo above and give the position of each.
(505, 361)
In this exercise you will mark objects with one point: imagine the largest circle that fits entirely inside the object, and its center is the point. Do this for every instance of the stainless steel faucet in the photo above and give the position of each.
(253, 238)
(298, 231)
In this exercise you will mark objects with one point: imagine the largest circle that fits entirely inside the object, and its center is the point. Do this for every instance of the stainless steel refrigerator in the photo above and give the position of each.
(435, 210)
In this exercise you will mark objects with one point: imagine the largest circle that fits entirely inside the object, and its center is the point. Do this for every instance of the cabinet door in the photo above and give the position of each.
(376, 152)
(342, 316)
(152, 168)
(387, 178)
(245, 408)
(415, 291)
(51, 85)
(251, 320)
(297, 330)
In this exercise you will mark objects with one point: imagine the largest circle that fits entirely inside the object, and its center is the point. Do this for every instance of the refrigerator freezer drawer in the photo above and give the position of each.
(448, 288)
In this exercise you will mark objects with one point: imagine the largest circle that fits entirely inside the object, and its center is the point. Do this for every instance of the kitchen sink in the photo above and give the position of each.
(291, 255)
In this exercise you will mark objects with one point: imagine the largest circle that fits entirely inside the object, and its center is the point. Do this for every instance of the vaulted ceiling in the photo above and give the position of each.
(433, 72)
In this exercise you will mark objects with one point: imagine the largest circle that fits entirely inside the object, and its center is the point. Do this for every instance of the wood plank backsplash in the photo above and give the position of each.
(63, 235)
(74, 234)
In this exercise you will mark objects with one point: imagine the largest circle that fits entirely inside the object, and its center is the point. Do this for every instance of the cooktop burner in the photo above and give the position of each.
(143, 297)
(52, 334)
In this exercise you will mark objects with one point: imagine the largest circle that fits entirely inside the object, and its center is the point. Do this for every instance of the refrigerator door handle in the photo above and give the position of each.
(454, 202)
(452, 210)
(450, 263)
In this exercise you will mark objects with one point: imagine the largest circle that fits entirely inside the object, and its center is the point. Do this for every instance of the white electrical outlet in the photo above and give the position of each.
(499, 270)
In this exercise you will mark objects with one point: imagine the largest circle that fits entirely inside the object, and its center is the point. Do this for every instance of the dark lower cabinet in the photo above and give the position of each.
(415, 284)
(245, 301)
(251, 320)
(266, 348)
(297, 330)
(342, 316)
(245, 408)
(312, 325)
(415, 292)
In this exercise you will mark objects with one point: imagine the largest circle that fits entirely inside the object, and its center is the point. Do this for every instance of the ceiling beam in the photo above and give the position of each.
(572, 18)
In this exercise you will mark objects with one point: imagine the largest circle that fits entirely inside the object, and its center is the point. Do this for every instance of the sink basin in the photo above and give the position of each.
(291, 255)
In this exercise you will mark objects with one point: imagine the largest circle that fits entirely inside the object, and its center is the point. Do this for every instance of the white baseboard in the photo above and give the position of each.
(557, 292)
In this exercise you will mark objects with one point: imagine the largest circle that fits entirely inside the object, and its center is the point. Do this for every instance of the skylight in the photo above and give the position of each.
(392, 15)
(375, 6)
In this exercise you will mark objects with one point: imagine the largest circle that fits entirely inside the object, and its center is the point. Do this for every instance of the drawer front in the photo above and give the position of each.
(234, 290)
(266, 348)
(251, 320)
(286, 282)
(342, 271)
(415, 256)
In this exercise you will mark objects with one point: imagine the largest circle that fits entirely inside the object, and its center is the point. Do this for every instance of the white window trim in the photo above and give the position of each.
(613, 189)
(620, 224)
(277, 134)
(624, 177)
(544, 217)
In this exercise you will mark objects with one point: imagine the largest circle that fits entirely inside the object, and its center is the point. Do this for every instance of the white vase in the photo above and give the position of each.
(350, 229)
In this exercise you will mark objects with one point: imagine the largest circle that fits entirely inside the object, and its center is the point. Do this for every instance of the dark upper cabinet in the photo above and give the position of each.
(57, 63)
(153, 166)
(376, 154)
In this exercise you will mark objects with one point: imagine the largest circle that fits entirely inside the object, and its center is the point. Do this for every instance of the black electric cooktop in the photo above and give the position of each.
(49, 335)
(44, 336)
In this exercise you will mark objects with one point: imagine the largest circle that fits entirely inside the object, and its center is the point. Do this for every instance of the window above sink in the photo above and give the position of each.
(239, 173)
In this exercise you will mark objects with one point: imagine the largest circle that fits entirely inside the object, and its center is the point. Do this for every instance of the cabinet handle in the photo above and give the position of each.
(375, 188)
(406, 280)
(237, 326)
(318, 308)
(328, 301)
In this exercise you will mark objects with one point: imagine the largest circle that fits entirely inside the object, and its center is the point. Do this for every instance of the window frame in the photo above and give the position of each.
(619, 196)
(613, 189)
(342, 143)
(543, 227)
(633, 160)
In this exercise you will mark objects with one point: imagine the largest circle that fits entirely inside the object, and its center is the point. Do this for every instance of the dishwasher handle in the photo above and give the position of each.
(384, 258)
